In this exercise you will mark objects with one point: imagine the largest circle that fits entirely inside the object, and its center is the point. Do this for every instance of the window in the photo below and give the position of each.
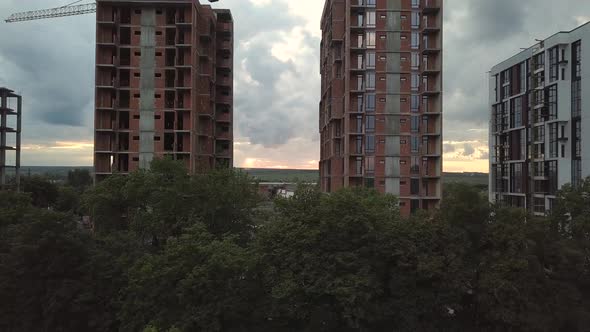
(360, 42)
(576, 98)
(370, 165)
(370, 103)
(371, 19)
(415, 124)
(523, 75)
(370, 146)
(359, 103)
(552, 103)
(415, 104)
(415, 144)
(576, 172)
(553, 63)
(415, 82)
(371, 80)
(359, 166)
(415, 40)
(359, 82)
(539, 203)
(551, 171)
(516, 185)
(577, 60)
(415, 187)
(371, 39)
(577, 139)
(415, 61)
(415, 166)
(415, 3)
(359, 19)
(359, 145)
(359, 61)
(370, 60)
(516, 113)
(370, 123)
(415, 20)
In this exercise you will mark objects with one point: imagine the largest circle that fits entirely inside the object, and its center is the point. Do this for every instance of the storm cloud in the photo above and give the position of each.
(277, 82)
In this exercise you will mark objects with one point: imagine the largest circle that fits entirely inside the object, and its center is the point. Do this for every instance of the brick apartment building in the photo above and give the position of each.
(537, 115)
(164, 85)
(381, 106)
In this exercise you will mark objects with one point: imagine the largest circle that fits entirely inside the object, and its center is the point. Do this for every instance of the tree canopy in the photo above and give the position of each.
(172, 252)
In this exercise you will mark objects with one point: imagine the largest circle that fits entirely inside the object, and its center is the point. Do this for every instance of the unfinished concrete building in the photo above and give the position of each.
(381, 108)
(164, 85)
(10, 139)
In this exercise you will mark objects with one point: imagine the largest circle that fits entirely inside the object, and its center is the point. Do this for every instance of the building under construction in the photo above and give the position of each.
(164, 85)
(10, 138)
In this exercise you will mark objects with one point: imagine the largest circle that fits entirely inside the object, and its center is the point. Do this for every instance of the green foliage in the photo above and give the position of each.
(173, 252)
(80, 179)
(43, 192)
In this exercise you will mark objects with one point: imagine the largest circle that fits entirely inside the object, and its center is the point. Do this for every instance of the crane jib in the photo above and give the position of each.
(53, 12)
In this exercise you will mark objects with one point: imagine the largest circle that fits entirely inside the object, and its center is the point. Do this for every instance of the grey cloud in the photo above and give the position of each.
(448, 148)
(484, 154)
(468, 150)
(496, 19)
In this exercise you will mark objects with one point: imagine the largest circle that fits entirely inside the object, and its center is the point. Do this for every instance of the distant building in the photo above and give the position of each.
(537, 102)
(164, 85)
(380, 115)
(10, 138)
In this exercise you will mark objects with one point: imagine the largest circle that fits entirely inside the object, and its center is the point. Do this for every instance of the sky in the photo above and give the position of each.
(276, 72)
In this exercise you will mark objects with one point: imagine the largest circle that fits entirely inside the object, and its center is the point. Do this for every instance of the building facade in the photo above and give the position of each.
(537, 115)
(10, 138)
(164, 85)
(380, 115)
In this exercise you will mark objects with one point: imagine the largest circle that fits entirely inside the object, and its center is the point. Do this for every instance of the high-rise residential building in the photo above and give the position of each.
(536, 137)
(164, 85)
(381, 103)
(10, 138)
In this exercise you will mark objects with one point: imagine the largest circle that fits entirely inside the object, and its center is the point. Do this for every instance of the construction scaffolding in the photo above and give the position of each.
(10, 139)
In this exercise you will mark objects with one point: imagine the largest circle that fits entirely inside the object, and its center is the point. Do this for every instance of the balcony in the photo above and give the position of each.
(430, 25)
(430, 48)
(430, 6)
(224, 63)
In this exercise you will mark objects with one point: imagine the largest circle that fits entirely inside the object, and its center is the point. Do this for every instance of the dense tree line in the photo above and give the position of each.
(171, 252)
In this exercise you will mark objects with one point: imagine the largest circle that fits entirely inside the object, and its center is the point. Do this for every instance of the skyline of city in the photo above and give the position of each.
(276, 134)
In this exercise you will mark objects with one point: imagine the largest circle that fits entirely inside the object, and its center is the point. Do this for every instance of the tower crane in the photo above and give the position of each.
(71, 9)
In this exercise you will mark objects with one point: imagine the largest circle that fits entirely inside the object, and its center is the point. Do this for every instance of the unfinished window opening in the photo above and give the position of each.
(136, 138)
(180, 79)
(124, 120)
(125, 57)
(169, 99)
(169, 121)
(125, 36)
(124, 99)
(170, 55)
(136, 74)
(125, 16)
(135, 158)
(158, 75)
(137, 33)
(123, 164)
(136, 95)
(158, 53)
(170, 16)
(157, 117)
(180, 144)
(138, 11)
(180, 121)
(180, 100)
(158, 33)
(137, 53)
(169, 142)
(124, 78)
(158, 11)
(170, 76)
(123, 141)
(170, 37)
(180, 16)
(158, 96)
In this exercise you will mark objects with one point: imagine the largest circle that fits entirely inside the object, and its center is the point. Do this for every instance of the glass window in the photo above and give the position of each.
(370, 165)
(359, 101)
(370, 103)
(415, 124)
(359, 82)
(516, 183)
(576, 98)
(415, 187)
(415, 61)
(370, 39)
(370, 146)
(552, 102)
(370, 80)
(577, 60)
(415, 144)
(359, 145)
(370, 60)
(415, 103)
(359, 61)
(415, 82)
(415, 20)
(370, 123)
(415, 166)
(553, 64)
(371, 18)
(359, 166)
(415, 40)
(551, 171)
